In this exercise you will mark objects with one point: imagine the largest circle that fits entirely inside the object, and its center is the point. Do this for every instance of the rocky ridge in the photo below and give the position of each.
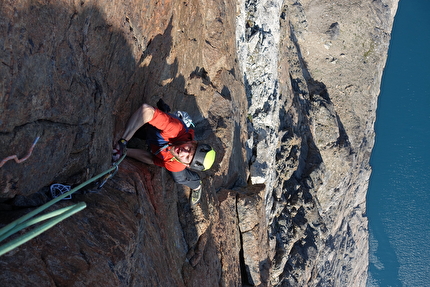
(286, 92)
(320, 66)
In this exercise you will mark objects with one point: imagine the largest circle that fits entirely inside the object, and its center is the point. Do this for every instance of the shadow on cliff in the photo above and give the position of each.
(77, 94)
(193, 220)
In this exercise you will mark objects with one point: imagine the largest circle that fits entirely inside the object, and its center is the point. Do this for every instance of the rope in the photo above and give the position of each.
(37, 231)
(57, 216)
(15, 157)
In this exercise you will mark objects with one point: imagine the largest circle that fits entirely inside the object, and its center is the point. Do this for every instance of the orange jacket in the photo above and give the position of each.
(170, 130)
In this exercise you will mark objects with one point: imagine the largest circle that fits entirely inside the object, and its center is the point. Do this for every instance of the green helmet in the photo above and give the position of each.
(203, 158)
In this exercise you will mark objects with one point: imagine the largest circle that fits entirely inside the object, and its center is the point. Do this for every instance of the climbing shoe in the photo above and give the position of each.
(195, 195)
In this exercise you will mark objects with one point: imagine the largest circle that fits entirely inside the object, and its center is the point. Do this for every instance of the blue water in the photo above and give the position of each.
(398, 200)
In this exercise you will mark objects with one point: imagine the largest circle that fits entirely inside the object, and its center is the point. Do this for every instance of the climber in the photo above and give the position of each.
(171, 144)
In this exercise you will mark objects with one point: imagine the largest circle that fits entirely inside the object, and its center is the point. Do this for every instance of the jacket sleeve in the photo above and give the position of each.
(169, 126)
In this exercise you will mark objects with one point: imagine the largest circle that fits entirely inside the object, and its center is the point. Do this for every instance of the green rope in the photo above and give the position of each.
(33, 233)
(56, 216)
(38, 219)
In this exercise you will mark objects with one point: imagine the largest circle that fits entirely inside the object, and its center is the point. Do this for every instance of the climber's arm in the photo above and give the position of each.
(141, 155)
(140, 117)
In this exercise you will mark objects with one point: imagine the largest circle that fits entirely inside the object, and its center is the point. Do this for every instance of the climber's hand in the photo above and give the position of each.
(115, 155)
(119, 150)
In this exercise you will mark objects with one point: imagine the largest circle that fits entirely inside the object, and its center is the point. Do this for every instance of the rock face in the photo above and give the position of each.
(285, 91)
(312, 78)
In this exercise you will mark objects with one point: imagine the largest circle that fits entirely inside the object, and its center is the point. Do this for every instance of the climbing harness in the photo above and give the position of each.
(54, 216)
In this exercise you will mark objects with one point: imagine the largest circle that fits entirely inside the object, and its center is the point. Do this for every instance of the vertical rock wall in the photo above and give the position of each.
(284, 90)
(72, 72)
(312, 71)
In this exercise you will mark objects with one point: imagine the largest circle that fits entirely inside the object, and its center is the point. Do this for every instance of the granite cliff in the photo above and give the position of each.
(286, 92)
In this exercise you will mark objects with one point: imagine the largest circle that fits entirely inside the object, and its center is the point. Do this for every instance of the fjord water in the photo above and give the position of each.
(398, 199)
